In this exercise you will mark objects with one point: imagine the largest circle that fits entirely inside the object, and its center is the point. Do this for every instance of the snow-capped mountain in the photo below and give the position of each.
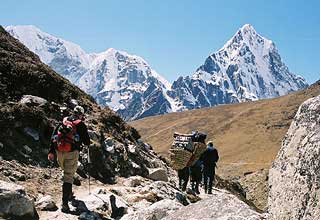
(124, 82)
(247, 68)
(127, 84)
(67, 58)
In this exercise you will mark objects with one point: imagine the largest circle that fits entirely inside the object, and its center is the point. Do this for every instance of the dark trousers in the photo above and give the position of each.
(208, 178)
(183, 175)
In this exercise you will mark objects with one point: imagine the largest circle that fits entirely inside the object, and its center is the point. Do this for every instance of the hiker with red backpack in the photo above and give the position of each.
(66, 143)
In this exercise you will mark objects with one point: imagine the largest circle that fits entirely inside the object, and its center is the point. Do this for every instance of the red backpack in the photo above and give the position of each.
(67, 135)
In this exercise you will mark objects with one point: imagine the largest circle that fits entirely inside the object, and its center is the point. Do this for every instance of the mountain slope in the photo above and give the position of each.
(247, 68)
(126, 83)
(248, 135)
(31, 97)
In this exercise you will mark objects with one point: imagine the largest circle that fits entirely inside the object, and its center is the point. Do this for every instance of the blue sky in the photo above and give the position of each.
(176, 36)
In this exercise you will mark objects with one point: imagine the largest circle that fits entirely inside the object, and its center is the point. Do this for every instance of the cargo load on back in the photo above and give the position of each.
(186, 149)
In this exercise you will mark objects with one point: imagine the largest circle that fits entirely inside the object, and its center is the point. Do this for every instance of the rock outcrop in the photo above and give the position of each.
(294, 179)
(255, 187)
(220, 205)
(14, 202)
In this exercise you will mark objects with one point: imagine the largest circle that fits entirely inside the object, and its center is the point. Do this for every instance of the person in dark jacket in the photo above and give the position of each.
(183, 175)
(66, 142)
(209, 159)
(196, 176)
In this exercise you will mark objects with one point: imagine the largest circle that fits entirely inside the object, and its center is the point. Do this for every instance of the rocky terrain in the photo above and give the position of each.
(128, 179)
(294, 176)
(210, 208)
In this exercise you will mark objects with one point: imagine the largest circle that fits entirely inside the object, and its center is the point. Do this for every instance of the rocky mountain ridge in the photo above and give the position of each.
(247, 68)
(126, 83)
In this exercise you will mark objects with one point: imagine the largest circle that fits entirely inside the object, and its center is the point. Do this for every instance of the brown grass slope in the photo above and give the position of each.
(248, 135)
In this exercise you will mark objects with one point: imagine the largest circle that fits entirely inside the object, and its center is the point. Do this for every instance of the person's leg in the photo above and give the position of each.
(193, 185)
(185, 183)
(180, 179)
(65, 186)
(210, 185)
(70, 168)
(197, 187)
(205, 180)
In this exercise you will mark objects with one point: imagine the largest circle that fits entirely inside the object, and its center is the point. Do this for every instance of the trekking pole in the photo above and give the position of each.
(89, 165)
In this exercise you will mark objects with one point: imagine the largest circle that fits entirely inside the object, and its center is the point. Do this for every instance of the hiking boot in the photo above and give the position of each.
(66, 196)
(65, 208)
(71, 197)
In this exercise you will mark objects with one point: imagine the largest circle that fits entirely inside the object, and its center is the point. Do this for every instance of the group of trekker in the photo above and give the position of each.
(202, 172)
(71, 134)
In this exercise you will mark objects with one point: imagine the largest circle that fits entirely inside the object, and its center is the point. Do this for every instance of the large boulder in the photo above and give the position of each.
(294, 178)
(14, 202)
(46, 203)
(219, 206)
(32, 100)
(156, 211)
(158, 174)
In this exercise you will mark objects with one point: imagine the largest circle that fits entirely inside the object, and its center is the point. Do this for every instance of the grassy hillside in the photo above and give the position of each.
(248, 135)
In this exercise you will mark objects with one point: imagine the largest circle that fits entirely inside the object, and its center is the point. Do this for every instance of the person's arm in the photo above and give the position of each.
(83, 133)
(216, 155)
(53, 144)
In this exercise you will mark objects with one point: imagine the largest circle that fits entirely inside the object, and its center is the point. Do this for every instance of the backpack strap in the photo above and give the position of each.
(76, 122)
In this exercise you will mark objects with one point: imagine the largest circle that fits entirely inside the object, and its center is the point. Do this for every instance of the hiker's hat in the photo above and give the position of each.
(79, 110)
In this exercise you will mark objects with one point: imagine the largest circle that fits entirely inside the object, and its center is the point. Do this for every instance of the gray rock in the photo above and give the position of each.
(1, 145)
(220, 205)
(158, 174)
(32, 100)
(99, 200)
(156, 211)
(19, 176)
(134, 181)
(27, 149)
(15, 203)
(89, 216)
(294, 179)
(32, 132)
(165, 190)
(46, 203)
(132, 148)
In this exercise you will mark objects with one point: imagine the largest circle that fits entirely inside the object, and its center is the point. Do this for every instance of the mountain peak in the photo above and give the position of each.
(247, 38)
(247, 28)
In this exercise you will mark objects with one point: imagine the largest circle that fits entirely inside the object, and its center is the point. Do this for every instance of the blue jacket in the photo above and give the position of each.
(210, 157)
